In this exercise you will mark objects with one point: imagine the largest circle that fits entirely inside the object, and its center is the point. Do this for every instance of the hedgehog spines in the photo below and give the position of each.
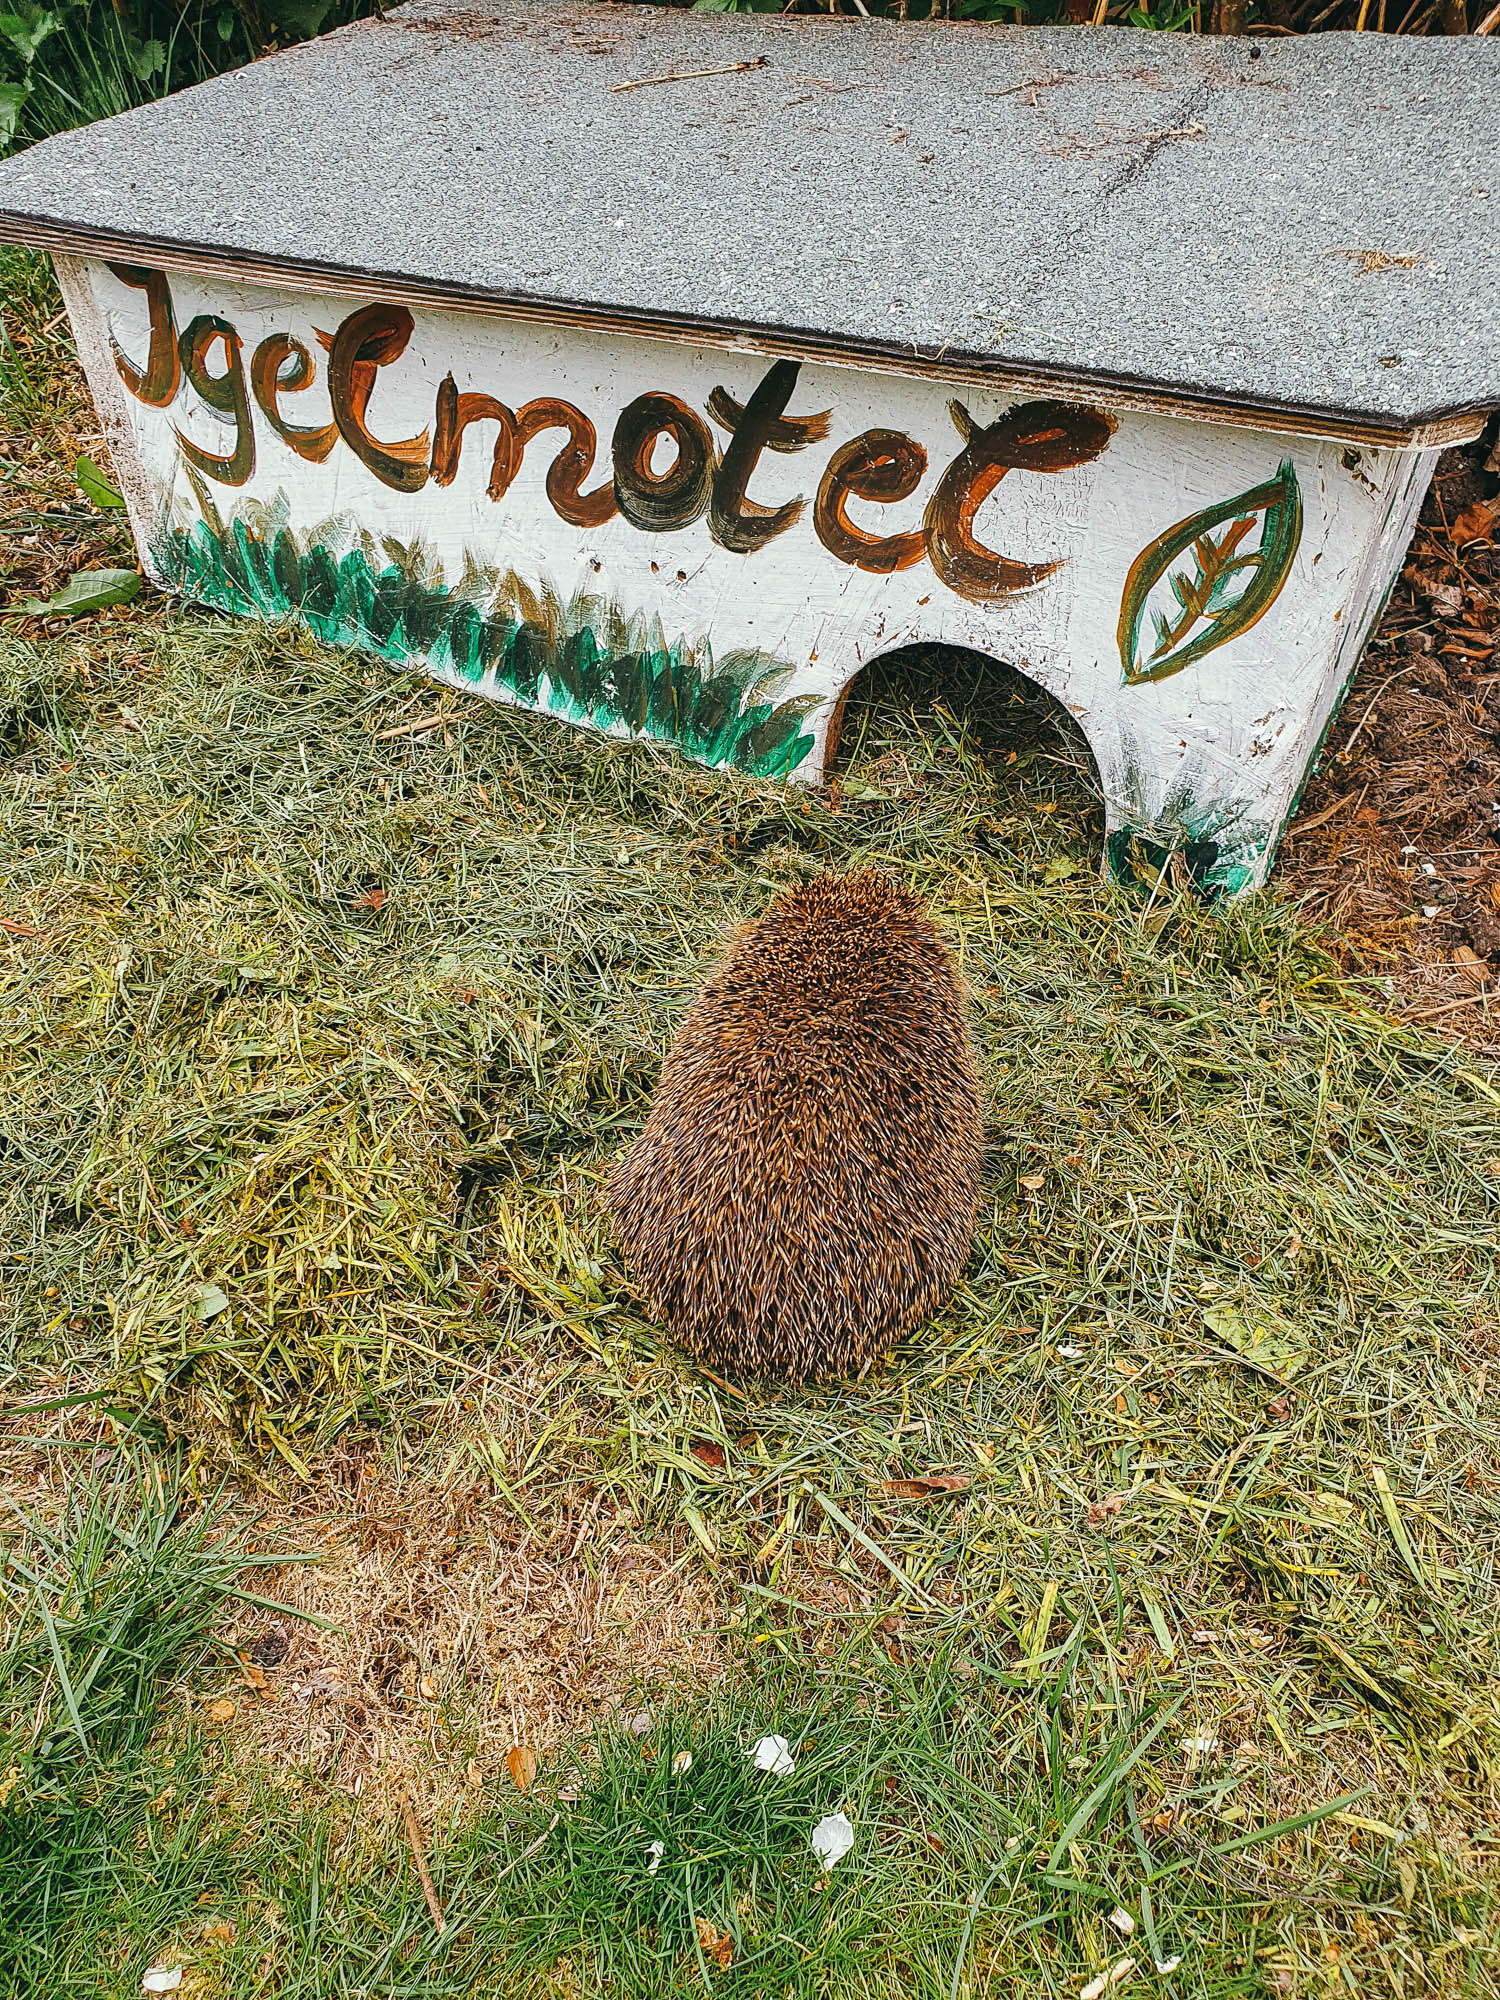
(805, 1189)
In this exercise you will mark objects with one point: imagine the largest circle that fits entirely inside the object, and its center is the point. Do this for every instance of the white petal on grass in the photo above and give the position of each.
(1071, 1353)
(832, 1839)
(161, 1979)
(1123, 1921)
(1203, 1744)
(683, 1761)
(1166, 1965)
(656, 1850)
(774, 1754)
(1100, 1986)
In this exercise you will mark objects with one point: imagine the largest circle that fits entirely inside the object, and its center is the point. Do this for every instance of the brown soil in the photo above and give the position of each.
(1397, 843)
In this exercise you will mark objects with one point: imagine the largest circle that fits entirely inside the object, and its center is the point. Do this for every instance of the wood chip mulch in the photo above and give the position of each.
(1397, 842)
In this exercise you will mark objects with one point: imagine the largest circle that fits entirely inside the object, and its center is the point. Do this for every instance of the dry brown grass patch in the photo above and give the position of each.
(453, 1629)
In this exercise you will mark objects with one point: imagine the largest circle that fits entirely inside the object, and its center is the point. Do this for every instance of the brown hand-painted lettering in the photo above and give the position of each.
(662, 502)
(312, 442)
(155, 384)
(1033, 437)
(565, 475)
(226, 393)
(879, 465)
(572, 465)
(364, 343)
(735, 521)
(455, 413)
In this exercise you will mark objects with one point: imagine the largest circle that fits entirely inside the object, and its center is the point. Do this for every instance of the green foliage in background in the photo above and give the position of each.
(68, 62)
(1226, 17)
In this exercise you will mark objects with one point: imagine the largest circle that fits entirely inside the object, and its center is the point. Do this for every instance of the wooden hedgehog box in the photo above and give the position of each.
(658, 370)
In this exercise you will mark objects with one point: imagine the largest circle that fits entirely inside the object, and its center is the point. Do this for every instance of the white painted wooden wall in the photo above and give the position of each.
(1217, 751)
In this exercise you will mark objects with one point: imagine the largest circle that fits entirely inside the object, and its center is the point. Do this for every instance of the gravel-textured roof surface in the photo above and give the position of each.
(1310, 223)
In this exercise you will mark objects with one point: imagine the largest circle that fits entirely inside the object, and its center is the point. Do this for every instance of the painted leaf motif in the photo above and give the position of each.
(1208, 579)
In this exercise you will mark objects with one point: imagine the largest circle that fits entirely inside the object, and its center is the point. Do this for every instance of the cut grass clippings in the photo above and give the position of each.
(329, 995)
(325, 996)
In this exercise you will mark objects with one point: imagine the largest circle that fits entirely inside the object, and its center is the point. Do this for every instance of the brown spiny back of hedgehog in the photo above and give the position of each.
(805, 1188)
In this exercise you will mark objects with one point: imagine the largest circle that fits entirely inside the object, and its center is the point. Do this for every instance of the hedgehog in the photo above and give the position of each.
(805, 1187)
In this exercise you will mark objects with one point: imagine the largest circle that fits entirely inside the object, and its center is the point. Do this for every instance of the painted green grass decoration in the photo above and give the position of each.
(1224, 588)
(586, 661)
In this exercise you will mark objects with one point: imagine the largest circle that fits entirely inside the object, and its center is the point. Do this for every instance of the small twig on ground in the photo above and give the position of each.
(1480, 997)
(1328, 812)
(687, 75)
(1343, 755)
(719, 1382)
(424, 1873)
(415, 728)
(527, 1852)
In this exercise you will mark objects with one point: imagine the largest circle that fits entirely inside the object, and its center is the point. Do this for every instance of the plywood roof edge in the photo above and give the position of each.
(1423, 430)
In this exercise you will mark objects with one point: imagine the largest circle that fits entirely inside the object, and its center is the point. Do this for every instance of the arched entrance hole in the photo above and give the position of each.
(937, 715)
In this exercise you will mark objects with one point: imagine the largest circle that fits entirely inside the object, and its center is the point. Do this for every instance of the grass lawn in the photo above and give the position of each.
(1143, 1609)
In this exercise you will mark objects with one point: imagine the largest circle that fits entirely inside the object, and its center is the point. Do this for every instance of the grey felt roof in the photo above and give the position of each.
(1306, 224)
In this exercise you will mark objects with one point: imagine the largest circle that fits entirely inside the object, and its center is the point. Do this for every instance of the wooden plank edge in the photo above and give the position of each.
(1437, 429)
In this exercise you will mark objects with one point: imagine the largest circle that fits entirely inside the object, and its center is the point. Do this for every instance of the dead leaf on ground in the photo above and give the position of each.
(257, 1678)
(222, 1711)
(925, 1486)
(1476, 521)
(708, 1453)
(717, 1945)
(1096, 1988)
(521, 1763)
(1279, 1354)
(1471, 965)
(1101, 1510)
(223, 1932)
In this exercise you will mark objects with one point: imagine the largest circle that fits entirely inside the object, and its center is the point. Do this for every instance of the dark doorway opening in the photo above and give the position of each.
(939, 718)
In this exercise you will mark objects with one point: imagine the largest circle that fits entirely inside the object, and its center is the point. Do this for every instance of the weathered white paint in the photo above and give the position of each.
(1217, 751)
